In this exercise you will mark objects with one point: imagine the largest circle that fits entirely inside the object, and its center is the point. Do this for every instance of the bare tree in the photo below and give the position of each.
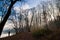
(7, 15)
(15, 25)
(27, 23)
(45, 15)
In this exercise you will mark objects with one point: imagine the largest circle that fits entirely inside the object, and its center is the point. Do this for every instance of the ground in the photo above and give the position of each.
(28, 36)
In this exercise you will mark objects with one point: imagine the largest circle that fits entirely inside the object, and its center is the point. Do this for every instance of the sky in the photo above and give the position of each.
(27, 4)
(30, 3)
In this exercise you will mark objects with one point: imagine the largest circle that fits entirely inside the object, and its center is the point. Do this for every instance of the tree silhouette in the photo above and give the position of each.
(7, 15)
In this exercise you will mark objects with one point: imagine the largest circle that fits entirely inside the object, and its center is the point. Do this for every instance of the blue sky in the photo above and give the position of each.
(31, 3)
(27, 4)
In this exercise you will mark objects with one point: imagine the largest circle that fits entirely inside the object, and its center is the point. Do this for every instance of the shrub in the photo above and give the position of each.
(40, 32)
(55, 24)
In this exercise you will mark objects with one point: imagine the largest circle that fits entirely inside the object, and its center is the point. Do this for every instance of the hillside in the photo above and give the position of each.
(28, 36)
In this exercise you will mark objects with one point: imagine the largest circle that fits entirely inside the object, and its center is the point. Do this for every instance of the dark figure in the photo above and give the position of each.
(9, 33)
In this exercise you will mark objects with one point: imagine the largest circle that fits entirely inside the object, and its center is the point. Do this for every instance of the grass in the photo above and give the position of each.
(40, 32)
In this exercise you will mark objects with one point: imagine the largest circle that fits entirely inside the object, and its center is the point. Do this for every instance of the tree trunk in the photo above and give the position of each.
(6, 16)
